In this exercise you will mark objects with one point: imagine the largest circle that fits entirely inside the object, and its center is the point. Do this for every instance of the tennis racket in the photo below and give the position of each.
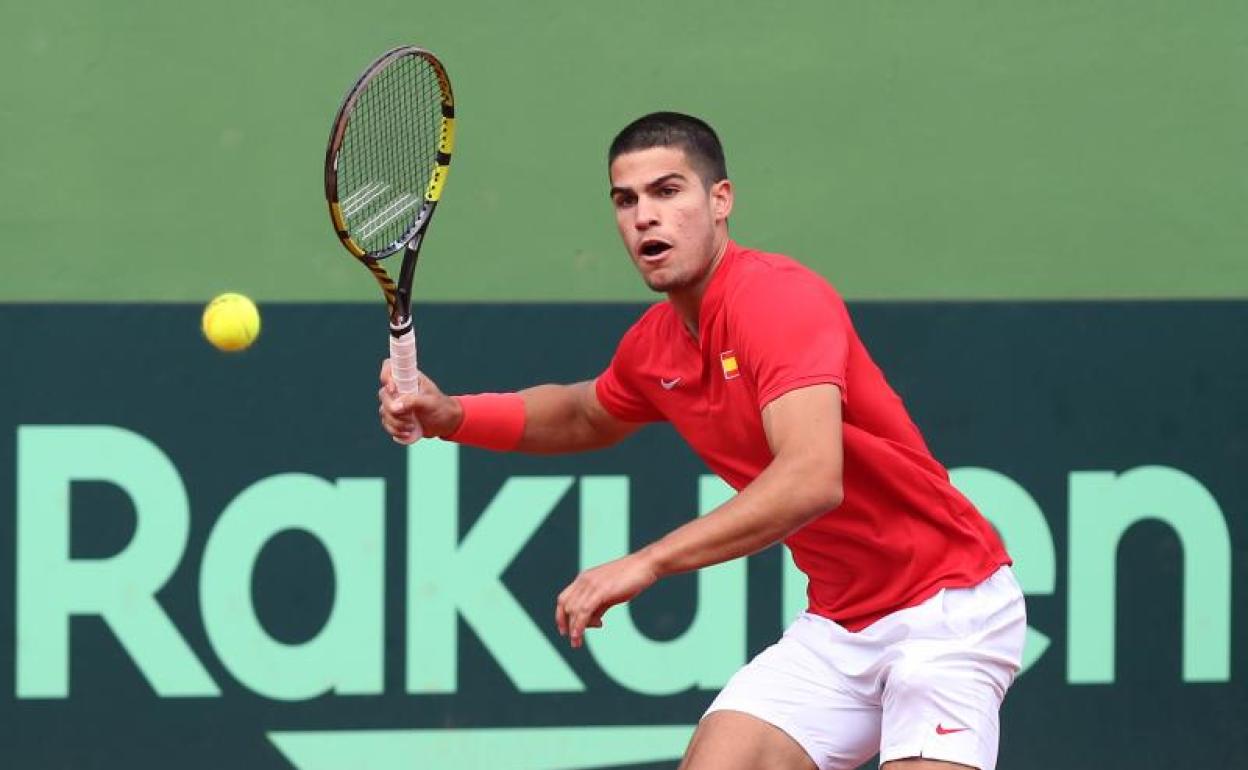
(388, 157)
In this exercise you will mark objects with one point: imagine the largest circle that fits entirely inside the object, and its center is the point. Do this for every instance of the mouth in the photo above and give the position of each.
(653, 249)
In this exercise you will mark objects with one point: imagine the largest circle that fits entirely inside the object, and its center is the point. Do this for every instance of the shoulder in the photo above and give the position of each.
(648, 327)
(653, 320)
(772, 280)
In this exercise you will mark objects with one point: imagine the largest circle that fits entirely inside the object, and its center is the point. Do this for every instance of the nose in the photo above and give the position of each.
(645, 214)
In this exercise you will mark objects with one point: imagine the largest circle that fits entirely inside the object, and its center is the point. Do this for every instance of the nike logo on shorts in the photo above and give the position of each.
(669, 384)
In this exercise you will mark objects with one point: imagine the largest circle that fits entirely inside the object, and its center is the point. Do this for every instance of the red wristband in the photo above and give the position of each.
(491, 421)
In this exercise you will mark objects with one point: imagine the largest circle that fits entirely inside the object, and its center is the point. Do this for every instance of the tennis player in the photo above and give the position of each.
(915, 623)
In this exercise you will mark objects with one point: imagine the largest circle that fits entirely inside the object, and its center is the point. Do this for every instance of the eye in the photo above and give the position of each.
(668, 191)
(623, 201)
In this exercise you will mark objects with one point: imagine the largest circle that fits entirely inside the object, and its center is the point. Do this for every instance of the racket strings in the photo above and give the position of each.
(389, 152)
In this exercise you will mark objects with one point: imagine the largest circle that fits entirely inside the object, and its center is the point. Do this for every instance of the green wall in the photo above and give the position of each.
(171, 150)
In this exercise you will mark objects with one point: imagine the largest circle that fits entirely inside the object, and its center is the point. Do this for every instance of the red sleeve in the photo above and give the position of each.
(616, 387)
(793, 332)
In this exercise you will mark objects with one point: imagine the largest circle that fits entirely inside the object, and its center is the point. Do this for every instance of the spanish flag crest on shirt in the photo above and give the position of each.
(728, 359)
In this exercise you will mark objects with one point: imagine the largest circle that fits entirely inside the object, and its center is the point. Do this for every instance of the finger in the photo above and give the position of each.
(389, 418)
(580, 619)
(405, 403)
(577, 632)
(569, 602)
(399, 434)
(565, 619)
(393, 425)
(385, 376)
(402, 433)
(391, 405)
(402, 407)
(396, 427)
(561, 610)
(395, 408)
(561, 619)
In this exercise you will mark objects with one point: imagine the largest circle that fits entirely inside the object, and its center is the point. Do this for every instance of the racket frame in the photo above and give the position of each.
(397, 294)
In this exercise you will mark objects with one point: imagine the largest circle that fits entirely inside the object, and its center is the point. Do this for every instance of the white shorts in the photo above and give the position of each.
(926, 681)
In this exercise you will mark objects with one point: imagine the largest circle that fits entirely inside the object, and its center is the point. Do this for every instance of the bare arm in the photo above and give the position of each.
(568, 418)
(558, 418)
(803, 481)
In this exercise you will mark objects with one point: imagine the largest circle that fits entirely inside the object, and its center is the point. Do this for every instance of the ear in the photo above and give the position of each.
(721, 199)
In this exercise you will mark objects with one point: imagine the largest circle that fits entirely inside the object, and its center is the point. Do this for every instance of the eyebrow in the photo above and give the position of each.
(659, 182)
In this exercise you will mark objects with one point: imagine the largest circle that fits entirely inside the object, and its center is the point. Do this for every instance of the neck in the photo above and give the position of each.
(688, 301)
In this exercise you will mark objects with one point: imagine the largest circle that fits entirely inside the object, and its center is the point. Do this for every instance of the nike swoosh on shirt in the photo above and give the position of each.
(942, 730)
(669, 384)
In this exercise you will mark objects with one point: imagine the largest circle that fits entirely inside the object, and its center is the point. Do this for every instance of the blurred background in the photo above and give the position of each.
(1037, 212)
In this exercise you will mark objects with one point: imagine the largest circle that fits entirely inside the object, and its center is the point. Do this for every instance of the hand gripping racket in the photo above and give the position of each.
(388, 157)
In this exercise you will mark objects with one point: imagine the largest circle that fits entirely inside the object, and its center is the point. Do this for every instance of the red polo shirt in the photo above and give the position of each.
(769, 325)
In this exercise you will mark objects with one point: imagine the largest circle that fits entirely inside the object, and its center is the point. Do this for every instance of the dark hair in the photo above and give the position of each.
(673, 129)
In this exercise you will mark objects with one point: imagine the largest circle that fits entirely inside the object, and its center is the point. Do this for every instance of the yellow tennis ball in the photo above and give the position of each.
(231, 322)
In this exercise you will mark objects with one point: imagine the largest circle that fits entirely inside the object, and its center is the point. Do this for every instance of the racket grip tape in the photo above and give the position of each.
(403, 368)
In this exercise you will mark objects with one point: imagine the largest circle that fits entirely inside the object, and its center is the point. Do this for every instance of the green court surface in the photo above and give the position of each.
(1013, 150)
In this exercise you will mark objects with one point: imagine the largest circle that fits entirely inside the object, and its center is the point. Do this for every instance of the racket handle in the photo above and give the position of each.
(403, 367)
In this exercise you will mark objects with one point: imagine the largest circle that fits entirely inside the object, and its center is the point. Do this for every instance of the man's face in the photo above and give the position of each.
(667, 217)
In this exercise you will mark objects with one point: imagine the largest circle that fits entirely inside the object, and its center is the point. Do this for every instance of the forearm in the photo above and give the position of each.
(559, 418)
(783, 498)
